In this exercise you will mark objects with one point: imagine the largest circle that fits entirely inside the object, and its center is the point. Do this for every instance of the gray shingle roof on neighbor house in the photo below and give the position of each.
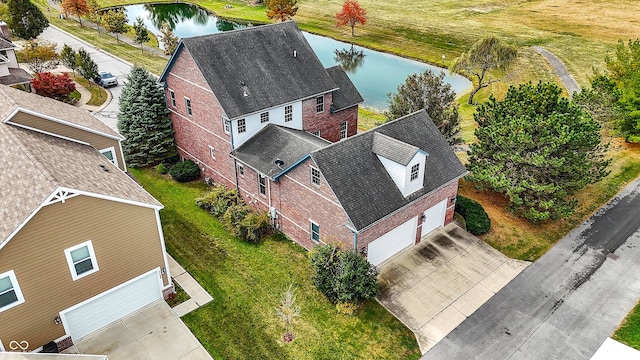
(34, 165)
(6, 44)
(16, 76)
(277, 142)
(272, 64)
(361, 183)
(347, 95)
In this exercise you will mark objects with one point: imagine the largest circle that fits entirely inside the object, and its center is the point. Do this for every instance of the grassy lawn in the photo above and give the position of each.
(629, 331)
(98, 94)
(246, 282)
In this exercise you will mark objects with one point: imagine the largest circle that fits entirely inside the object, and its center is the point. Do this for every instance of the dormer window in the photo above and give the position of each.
(242, 126)
(415, 170)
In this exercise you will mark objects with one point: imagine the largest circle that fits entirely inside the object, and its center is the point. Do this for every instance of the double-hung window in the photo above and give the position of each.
(343, 130)
(187, 104)
(10, 294)
(320, 104)
(262, 184)
(315, 231)
(315, 176)
(264, 117)
(172, 98)
(415, 170)
(81, 260)
(242, 126)
(288, 113)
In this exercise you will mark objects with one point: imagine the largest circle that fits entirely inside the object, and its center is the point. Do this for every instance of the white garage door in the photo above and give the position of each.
(111, 305)
(392, 242)
(434, 217)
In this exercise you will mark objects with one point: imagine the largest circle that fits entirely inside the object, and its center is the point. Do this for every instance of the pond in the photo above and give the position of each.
(364, 66)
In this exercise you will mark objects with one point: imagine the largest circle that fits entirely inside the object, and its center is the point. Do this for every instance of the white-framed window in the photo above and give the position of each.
(212, 152)
(81, 259)
(10, 293)
(242, 126)
(288, 113)
(264, 117)
(343, 129)
(262, 184)
(415, 170)
(110, 154)
(241, 169)
(316, 133)
(226, 126)
(320, 104)
(187, 104)
(315, 231)
(172, 98)
(315, 176)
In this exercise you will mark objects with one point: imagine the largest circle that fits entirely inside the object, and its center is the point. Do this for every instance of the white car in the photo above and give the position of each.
(106, 79)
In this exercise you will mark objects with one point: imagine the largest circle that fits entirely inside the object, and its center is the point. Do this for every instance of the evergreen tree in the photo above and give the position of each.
(537, 148)
(85, 65)
(69, 58)
(25, 19)
(144, 121)
(428, 91)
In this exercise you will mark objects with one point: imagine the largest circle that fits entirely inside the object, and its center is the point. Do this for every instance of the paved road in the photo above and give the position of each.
(105, 61)
(561, 71)
(565, 304)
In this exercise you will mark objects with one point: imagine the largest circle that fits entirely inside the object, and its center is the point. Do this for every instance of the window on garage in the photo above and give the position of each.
(10, 294)
(82, 260)
(315, 231)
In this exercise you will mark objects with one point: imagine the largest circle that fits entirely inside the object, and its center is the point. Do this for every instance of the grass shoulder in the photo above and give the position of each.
(629, 330)
(246, 281)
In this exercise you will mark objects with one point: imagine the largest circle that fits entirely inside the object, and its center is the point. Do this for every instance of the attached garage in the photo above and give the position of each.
(101, 310)
(434, 217)
(392, 242)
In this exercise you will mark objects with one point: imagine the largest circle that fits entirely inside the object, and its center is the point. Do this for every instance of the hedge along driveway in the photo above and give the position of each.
(246, 282)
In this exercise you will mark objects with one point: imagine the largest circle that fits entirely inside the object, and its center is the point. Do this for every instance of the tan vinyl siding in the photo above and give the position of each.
(98, 141)
(126, 243)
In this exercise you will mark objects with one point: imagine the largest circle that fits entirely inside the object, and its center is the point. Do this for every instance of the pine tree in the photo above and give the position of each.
(69, 58)
(85, 65)
(25, 19)
(144, 121)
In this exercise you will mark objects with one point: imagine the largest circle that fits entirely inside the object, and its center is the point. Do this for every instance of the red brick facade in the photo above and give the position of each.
(326, 122)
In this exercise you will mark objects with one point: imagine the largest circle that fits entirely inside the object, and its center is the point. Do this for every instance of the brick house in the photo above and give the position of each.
(81, 243)
(257, 111)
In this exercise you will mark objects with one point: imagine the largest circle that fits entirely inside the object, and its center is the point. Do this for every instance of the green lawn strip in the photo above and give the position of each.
(98, 94)
(629, 331)
(369, 118)
(246, 282)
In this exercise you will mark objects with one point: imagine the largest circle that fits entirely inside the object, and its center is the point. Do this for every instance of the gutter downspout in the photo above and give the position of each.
(235, 161)
(355, 236)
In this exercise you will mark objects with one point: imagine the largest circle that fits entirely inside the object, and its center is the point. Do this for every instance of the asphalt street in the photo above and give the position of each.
(106, 62)
(568, 302)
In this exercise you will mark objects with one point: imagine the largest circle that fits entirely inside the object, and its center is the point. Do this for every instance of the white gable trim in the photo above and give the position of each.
(60, 121)
(61, 190)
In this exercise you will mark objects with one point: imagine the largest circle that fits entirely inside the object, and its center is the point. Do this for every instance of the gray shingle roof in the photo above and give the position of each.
(34, 165)
(347, 95)
(259, 61)
(6, 44)
(393, 149)
(277, 142)
(16, 76)
(361, 183)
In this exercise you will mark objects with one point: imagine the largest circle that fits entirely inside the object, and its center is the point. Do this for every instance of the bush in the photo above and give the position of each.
(247, 224)
(185, 171)
(162, 169)
(475, 217)
(343, 275)
(218, 200)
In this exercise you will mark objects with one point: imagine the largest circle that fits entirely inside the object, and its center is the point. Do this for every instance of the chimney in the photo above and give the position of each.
(4, 30)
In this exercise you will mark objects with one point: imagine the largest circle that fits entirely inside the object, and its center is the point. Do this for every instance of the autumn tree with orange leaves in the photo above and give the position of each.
(76, 7)
(352, 13)
(281, 9)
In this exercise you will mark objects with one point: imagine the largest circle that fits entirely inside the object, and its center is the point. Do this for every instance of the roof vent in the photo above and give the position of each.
(295, 53)
(279, 162)
(104, 168)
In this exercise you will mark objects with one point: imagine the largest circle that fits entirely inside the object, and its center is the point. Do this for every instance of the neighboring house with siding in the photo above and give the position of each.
(81, 243)
(10, 72)
(257, 111)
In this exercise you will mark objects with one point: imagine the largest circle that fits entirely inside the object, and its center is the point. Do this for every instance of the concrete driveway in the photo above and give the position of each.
(152, 333)
(435, 285)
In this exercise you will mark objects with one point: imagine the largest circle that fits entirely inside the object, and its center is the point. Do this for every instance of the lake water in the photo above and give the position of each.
(374, 73)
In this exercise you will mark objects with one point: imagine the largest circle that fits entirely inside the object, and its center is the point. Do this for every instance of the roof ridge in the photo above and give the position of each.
(234, 31)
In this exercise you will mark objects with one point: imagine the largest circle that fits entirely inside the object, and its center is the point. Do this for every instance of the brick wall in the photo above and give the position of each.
(326, 122)
(195, 133)
(413, 210)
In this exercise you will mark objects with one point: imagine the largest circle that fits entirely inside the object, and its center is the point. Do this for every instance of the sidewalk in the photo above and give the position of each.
(198, 295)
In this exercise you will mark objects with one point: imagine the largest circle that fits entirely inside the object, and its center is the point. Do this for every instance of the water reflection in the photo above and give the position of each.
(349, 58)
(174, 14)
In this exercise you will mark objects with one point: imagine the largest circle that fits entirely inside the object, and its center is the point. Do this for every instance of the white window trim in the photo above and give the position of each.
(260, 176)
(417, 173)
(226, 126)
(267, 117)
(16, 288)
(113, 151)
(241, 170)
(92, 255)
(244, 121)
(346, 130)
(316, 133)
(212, 152)
(1, 346)
(312, 177)
(320, 104)
(311, 223)
(290, 113)
(187, 106)
(172, 98)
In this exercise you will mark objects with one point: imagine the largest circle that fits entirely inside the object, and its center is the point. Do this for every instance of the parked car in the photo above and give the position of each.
(106, 79)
